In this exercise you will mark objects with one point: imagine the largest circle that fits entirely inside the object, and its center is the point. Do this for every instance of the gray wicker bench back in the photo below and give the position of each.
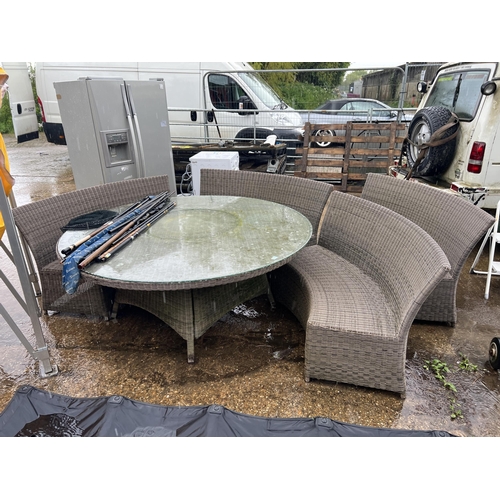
(40, 225)
(304, 195)
(357, 292)
(455, 223)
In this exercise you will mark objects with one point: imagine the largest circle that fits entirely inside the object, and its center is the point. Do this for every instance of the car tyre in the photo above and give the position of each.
(423, 125)
(323, 144)
(367, 145)
(494, 353)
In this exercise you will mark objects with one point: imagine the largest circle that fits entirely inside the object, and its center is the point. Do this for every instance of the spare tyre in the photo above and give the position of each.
(423, 125)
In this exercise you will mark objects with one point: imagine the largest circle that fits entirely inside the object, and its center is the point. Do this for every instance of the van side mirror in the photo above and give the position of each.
(488, 88)
(244, 102)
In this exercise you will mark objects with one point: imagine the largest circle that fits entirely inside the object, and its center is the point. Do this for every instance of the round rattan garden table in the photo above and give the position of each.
(201, 259)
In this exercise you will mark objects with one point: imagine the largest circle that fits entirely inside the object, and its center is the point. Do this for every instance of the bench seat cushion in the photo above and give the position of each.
(351, 330)
(344, 297)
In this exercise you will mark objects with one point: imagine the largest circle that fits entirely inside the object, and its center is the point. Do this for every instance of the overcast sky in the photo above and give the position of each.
(256, 31)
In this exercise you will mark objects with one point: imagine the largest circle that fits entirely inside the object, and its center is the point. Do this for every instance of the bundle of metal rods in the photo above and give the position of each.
(121, 230)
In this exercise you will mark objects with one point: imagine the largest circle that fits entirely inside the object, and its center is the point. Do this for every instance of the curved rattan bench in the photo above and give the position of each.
(40, 224)
(304, 195)
(356, 292)
(454, 222)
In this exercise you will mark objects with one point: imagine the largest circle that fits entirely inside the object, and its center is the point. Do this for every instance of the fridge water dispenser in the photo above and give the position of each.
(116, 147)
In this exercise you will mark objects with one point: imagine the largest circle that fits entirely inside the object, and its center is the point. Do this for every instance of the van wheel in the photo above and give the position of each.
(424, 124)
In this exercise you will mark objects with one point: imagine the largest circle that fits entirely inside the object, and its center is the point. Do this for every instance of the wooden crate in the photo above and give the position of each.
(355, 150)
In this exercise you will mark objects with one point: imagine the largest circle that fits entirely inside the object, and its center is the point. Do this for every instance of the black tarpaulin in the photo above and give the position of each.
(33, 412)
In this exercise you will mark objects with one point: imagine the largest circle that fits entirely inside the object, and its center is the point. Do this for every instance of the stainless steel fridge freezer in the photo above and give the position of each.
(116, 129)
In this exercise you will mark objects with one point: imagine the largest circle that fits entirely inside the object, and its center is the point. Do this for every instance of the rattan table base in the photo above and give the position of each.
(192, 312)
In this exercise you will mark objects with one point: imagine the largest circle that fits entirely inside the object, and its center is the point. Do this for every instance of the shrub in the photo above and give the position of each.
(6, 126)
(305, 95)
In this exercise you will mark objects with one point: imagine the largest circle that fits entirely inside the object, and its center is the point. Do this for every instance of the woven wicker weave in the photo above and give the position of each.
(357, 292)
(455, 223)
(189, 303)
(192, 312)
(304, 195)
(40, 224)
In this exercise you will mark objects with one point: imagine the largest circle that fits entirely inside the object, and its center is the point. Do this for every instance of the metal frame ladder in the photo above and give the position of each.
(28, 301)
(493, 265)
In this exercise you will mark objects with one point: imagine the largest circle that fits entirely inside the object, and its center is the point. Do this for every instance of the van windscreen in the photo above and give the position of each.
(263, 91)
(460, 92)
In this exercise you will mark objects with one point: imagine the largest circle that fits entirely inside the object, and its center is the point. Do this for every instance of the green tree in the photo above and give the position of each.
(354, 76)
(278, 78)
(319, 78)
(6, 126)
(302, 89)
(329, 79)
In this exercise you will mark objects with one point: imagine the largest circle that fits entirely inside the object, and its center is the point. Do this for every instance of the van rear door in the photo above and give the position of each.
(22, 101)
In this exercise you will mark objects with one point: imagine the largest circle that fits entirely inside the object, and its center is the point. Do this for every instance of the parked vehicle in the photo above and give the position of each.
(468, 164)
(22, 102)
(207, 101)
(352, 110)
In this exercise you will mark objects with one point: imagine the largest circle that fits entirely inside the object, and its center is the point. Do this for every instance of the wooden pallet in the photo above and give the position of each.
(356, 149)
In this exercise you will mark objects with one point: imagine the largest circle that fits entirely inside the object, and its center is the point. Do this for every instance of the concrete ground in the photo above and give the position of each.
(251, 361)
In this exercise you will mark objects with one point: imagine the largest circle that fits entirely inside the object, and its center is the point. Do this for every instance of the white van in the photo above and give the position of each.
(206, 101)
(22, 102)
(468, 164)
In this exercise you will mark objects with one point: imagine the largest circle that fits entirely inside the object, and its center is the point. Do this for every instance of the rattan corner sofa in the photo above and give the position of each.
(358, 290)
(40, 225)
(455, 223)
(358, 285)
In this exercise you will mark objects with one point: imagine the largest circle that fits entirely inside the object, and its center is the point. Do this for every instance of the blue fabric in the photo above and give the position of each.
(71, 272)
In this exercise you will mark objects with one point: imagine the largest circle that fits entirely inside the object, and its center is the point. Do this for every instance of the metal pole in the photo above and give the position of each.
(27, 255)
(403, 87)
(40, 353)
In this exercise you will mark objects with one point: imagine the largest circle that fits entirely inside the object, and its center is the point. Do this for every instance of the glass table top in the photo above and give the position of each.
(206, 238)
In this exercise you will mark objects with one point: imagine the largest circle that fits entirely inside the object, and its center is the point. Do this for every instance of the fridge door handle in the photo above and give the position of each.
(131, 126)
(138, 130)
